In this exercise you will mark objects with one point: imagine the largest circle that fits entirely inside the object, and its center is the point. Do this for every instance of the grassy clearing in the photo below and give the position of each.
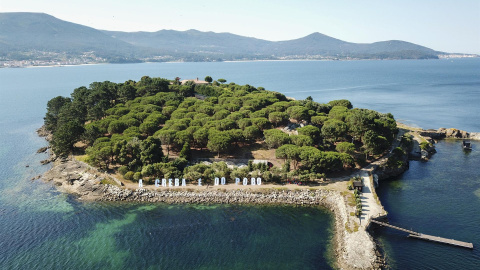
(355, 226)
(351, 200)
(347, 227)
(108, 181)
(81, 158)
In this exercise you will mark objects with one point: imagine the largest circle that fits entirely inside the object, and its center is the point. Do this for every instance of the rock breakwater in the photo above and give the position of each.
(216, 196)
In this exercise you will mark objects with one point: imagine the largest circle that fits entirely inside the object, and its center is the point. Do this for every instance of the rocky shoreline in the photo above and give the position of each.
(432, 136)
(450, 133)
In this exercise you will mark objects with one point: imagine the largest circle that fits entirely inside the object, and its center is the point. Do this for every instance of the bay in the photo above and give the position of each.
(42, 228)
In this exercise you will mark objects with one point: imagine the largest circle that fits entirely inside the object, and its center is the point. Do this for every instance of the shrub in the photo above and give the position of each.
(185, 152)
(425, 145)
(137, 176)
(407, 141)
(123, 170)
(350, 186)
(129, 175)
(148, 170)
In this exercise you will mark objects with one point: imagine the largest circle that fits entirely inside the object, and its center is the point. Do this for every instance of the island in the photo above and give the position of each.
(206, 141)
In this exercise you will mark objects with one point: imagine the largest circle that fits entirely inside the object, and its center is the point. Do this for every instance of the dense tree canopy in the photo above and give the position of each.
(131, 124)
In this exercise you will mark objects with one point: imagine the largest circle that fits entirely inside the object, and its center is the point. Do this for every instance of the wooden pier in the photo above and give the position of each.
(427, 237)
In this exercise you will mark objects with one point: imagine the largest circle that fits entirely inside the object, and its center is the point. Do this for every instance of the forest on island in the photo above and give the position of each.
(151, 128)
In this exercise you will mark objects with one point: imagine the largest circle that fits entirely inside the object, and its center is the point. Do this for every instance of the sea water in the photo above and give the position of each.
(44, 229)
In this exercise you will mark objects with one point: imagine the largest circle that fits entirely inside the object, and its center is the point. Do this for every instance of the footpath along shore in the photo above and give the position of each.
(354, 246)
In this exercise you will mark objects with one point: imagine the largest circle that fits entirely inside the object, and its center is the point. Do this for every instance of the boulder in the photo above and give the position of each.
(43, 149)
(456, 133)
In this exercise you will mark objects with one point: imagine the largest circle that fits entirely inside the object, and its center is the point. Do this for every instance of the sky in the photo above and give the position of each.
(443, 25)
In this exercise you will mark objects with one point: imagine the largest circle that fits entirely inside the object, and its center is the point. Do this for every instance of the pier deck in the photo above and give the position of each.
(442, 240)
(427, 237)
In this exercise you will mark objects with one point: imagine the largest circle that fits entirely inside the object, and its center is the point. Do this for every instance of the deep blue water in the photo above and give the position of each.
(440, 197)
(43, 229)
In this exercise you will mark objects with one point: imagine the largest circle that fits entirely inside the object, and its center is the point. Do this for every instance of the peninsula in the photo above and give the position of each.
(198, 130)
(112, 141)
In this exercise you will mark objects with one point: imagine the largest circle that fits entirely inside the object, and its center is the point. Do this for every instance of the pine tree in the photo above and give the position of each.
(185, 152)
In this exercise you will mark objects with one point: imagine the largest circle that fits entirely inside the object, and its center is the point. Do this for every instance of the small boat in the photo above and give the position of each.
(467, 145)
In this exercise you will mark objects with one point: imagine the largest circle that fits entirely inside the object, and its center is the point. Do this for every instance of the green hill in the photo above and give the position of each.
(225, 45)
(21, 32)
(24, 33)
(319, 44)
(193, 41)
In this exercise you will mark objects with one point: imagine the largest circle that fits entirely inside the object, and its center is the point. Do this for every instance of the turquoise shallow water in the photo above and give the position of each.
(43, 229)
(135, 236)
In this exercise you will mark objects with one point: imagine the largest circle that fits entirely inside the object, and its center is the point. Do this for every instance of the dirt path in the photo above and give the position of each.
(370, 207)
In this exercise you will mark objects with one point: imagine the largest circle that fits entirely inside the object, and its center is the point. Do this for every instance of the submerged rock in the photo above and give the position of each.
(42, 150)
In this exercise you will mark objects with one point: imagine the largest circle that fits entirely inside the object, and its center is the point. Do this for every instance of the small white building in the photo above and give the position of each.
(195, 81)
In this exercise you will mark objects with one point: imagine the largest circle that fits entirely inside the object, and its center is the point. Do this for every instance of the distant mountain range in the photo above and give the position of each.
(226, 44)
(41, 37)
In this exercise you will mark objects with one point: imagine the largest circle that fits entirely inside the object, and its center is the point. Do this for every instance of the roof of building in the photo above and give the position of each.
(196, 81)
(357, 184)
